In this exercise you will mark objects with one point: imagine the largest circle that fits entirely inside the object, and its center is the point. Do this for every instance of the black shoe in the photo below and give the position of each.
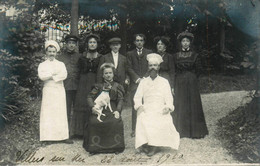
(153, 151)
(145, 149)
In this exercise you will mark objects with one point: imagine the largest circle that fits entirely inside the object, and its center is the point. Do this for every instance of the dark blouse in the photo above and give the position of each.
(70, 60)
(187, 62)
(167, 62)
(86, 65)
(116, 94)
(167, 68)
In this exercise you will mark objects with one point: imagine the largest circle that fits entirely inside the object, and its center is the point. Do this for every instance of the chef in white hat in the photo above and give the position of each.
(153, 101)
(51, 49)
(53, 117)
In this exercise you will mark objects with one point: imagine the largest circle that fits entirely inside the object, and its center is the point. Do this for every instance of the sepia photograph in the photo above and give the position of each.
(130, 82)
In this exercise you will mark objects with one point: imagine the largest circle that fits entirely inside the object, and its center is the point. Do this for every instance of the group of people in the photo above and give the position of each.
(164, 93)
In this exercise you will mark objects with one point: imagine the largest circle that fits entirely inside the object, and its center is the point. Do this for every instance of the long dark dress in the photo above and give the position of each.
(167, 69)
(106, 136)
(88, 71)
(188, 115)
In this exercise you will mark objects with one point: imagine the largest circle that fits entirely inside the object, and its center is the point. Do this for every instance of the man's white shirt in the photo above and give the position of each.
(115, 58)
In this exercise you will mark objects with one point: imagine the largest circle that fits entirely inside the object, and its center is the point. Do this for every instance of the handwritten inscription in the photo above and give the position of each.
(28, 157)
(134, 158)
(168, 157)
(78, 158)
(56, 158)
(107, 159)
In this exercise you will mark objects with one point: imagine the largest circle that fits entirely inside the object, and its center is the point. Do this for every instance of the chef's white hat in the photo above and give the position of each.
(153, 57)
(52, 43)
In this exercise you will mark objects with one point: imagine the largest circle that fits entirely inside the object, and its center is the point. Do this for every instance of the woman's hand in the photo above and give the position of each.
(127, 81)
(117, 114)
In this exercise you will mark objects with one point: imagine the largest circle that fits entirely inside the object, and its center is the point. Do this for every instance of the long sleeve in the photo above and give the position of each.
(91, 96)
(172, 70)
(120, 97)
(130, 70)
(168, 96)
(62, 73)
(138, 97)
(99, 72)
(198, 65)
(44, 72)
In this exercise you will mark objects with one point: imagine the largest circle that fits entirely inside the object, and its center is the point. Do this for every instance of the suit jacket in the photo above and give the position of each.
(71, 62)
(138, 64)
(120, 74)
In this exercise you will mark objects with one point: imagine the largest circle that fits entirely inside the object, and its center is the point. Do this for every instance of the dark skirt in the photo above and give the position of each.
(81, 113)
(188, 116)
(106, 136)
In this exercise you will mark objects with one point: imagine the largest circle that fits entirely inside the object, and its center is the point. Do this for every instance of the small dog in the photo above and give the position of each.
(103, 100)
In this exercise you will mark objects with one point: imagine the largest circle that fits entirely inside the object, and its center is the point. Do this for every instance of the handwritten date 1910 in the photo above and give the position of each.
(164, 157)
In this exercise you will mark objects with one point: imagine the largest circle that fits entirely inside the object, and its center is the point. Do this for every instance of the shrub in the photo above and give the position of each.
(13, 96)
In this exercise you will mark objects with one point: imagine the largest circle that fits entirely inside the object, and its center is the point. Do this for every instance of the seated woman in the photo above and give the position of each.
(105, 135)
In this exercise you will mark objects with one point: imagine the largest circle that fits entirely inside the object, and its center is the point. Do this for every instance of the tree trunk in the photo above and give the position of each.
(258, 77)
(74, 17)
(123, 34)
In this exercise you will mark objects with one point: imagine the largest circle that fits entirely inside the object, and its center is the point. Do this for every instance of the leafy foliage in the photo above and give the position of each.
(13, 96)
(249, 62)
(27, 42)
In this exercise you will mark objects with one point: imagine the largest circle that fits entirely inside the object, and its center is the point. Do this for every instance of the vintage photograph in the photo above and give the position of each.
(130, 82)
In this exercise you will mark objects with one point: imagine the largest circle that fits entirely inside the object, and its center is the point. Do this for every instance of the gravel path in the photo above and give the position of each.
(208, 150)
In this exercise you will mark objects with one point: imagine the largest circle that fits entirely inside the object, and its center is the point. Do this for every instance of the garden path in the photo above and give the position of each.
(208, 150)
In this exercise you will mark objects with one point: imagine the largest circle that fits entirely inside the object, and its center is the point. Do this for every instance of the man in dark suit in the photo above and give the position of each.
(138, 66)
(70, 58)
(120, 62)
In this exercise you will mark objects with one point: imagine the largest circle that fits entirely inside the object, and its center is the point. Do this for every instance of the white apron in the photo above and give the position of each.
(152, 126)
(53, 117)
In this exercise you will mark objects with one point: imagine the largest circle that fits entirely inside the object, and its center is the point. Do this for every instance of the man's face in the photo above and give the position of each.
(153, 65)
(115, 47)
(51, 53)
(71, 45)
(153, 68)
(139, 42)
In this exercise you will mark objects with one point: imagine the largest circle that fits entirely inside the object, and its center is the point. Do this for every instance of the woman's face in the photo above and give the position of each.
(185, 43)
(161, 47)
(51, 53)
(92, 44)
(108, 74)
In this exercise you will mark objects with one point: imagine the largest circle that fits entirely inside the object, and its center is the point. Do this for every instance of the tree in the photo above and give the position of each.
(74, 17)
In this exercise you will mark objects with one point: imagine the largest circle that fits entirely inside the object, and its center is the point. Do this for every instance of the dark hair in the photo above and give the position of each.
(185, 34)
(164, 39)
(90, 36)
(141, 35)
(50, 46)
